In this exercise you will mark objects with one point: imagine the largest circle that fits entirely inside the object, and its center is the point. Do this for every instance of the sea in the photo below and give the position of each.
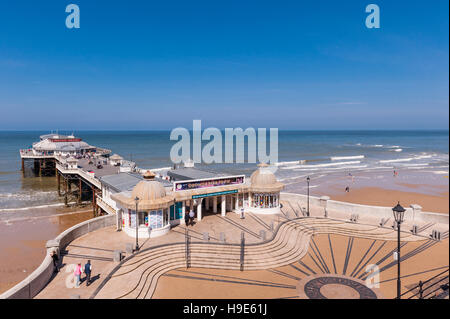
(318, 154)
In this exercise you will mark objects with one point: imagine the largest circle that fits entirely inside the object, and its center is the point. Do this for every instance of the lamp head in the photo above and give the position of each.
(399, 213)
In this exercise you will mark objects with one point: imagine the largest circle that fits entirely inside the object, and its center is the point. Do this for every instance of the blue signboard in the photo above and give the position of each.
(234, 191)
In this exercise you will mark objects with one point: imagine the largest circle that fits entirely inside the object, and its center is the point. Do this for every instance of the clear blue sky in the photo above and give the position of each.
(286, 64)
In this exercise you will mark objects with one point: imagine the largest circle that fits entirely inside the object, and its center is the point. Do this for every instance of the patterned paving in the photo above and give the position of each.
(331, 259)
(318, 288)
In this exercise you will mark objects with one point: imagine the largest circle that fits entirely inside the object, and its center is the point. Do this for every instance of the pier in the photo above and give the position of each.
(77, 167)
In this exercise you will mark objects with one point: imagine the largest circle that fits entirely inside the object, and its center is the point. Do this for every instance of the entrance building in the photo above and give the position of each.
(196, 190)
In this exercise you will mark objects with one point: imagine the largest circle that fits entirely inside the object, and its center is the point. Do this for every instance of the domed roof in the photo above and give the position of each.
(148, 189)
(263, 179)
(116, 157)
(262, 176)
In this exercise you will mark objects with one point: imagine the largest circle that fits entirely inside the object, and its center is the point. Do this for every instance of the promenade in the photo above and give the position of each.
(302, 250)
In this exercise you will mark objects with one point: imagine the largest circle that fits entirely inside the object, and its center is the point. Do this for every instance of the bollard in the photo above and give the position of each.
(271, 226)
(129, 248)
(222, 237)
(394, 225)
(117, 256)
(262, 234)
(206, 236)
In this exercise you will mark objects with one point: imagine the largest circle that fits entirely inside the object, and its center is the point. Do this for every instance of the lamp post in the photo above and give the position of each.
(307, 204)
(136, 200)
(399, 214)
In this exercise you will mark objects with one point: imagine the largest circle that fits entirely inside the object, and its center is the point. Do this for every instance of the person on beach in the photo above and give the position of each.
(87, 272)
(191, 217)
(77, 274)
(55, 259)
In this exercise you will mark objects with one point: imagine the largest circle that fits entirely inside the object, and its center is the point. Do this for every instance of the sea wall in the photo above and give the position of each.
(411, 214)
(38, 279)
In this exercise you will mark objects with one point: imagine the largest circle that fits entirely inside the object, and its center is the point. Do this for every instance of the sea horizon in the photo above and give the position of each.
(324, 153)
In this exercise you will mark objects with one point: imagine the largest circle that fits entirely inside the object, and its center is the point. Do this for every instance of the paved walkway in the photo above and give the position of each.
(346, 255)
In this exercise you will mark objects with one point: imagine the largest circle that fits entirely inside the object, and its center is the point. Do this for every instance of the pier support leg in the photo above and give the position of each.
(58, 179)
(40, 168)
(23, 165)
(94, 201)
(66, 188)
(80, 191)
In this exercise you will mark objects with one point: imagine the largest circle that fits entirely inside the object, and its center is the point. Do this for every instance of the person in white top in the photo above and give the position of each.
(191, 217)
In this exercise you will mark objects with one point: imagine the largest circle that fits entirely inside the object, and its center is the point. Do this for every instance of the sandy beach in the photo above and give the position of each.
(385, 197)
(22, 248)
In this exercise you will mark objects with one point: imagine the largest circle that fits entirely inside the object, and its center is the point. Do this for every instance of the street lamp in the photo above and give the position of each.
(136, 200)
(307, 204)
(399, 214)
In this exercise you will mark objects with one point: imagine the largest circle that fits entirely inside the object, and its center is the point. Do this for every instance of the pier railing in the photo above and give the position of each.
(108, 208)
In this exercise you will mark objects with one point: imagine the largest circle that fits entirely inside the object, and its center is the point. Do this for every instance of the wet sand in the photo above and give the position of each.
(22, 247)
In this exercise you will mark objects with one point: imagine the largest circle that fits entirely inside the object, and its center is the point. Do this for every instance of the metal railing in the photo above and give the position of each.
(187, 252)
(424, 292)
(241, 259)
(103, 204)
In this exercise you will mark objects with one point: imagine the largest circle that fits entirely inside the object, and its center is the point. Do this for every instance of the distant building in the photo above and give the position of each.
(62, 145)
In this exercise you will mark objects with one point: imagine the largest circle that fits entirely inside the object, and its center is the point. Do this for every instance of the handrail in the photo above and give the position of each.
(241, 261)
(422, 283)
(188, 240)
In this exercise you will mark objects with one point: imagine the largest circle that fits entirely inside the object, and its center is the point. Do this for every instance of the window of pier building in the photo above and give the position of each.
(154, 219)
(265, 200)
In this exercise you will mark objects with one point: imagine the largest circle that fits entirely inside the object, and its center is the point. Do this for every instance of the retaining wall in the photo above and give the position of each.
(38, 279)
(374, 211)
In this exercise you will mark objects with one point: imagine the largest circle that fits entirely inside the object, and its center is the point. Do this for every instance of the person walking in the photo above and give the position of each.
(186, 219)
(77, 274)
(87, 272)
(191, 217)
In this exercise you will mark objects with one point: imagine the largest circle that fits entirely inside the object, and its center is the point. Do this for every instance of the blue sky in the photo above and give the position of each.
(286, 64)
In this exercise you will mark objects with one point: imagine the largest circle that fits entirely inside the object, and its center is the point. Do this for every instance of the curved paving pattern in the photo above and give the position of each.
(137, 276)
(336, 287)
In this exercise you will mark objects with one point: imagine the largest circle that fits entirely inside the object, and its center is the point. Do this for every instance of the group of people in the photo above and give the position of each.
(189, 218)
(87, 269)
